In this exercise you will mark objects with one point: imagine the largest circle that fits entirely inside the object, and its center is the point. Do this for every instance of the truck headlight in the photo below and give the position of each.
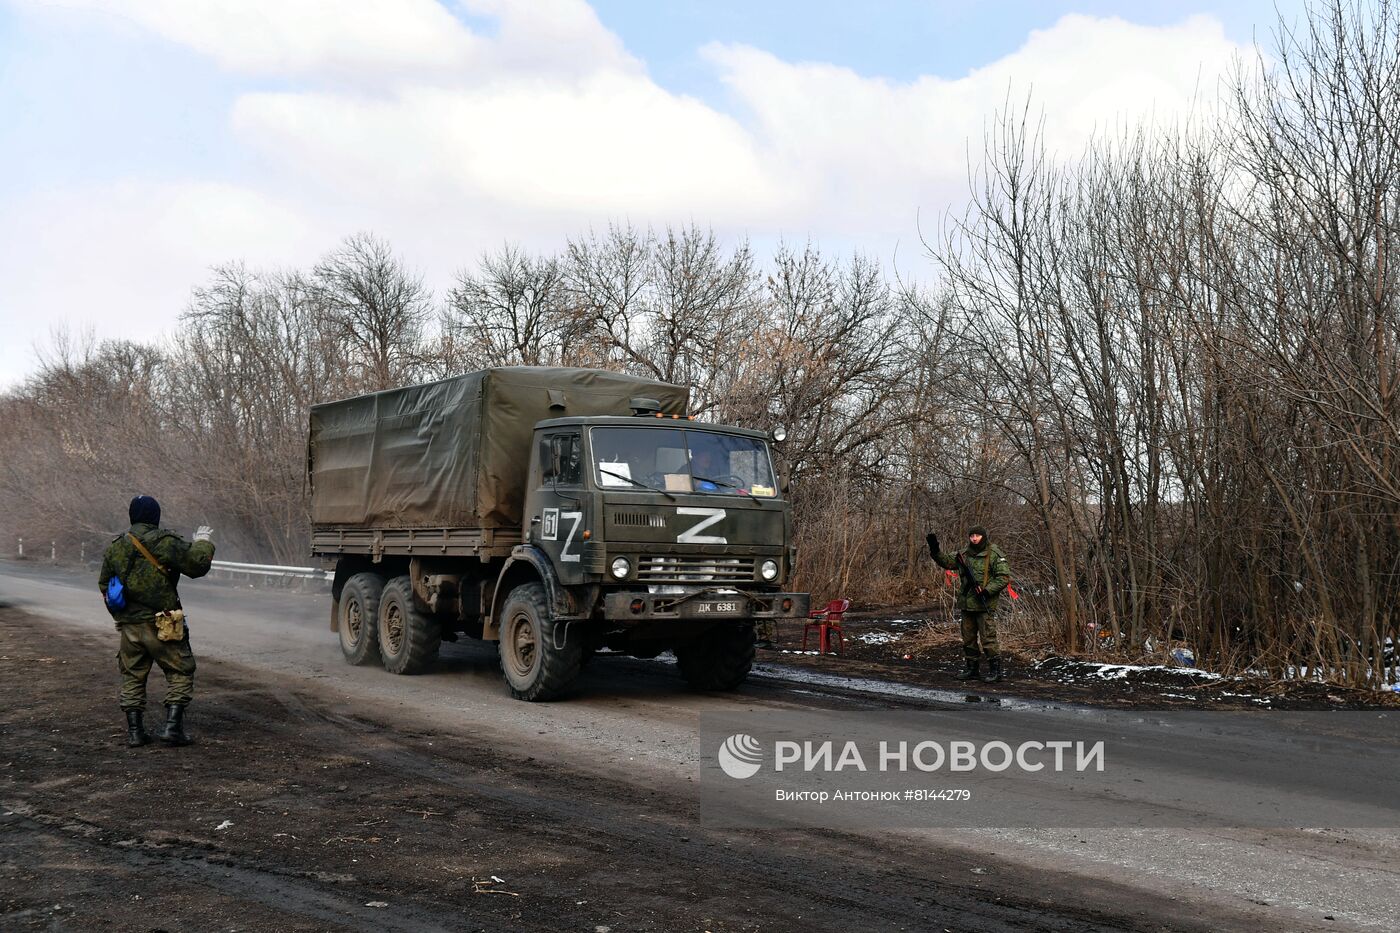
(769, 570)
(621, 566)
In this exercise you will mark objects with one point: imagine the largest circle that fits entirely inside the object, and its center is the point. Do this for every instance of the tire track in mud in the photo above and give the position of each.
(849, 881)
(281, 889)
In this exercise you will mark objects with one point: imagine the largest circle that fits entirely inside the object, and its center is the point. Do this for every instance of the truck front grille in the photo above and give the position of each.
(696, 569)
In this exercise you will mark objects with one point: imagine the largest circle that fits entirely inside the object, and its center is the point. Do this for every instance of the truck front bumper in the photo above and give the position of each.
(704, 604)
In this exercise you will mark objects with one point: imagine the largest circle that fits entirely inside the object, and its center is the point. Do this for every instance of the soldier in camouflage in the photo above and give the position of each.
(983, 573)
(152, 622)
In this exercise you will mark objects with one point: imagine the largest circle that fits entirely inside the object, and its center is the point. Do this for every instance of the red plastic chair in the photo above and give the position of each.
(827, 622)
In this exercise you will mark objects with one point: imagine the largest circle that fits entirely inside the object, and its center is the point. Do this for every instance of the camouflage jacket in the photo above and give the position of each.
(148, 591)
(989, 569)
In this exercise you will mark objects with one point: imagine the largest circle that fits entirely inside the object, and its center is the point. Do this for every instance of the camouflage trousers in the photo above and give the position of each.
(140, 648)
(979, 626)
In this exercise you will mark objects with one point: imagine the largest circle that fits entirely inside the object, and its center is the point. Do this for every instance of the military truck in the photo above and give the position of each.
(557, 512)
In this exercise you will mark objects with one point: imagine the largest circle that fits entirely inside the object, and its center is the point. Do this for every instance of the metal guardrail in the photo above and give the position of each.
(271, 570)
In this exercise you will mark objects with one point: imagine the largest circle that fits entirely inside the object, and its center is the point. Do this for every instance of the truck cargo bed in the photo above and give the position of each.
(451, 454)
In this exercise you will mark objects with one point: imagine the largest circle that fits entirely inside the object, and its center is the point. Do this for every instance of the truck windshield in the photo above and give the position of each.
(682, 460)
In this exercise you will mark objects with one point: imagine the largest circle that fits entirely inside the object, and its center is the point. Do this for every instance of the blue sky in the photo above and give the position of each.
(896, 39)
(142, 141)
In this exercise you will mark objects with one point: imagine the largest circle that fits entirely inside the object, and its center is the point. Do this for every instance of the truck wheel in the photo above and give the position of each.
(408, 637)
(539, 657)
(720, 659)
(359, 615)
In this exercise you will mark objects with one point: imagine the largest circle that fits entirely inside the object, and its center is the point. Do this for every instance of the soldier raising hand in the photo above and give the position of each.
(983, 573)
(140, 573)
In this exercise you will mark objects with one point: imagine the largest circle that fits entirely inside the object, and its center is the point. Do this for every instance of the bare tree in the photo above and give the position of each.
(511, 312)
(378, 308)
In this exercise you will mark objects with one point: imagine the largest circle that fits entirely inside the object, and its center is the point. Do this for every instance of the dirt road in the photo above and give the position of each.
(318, 792)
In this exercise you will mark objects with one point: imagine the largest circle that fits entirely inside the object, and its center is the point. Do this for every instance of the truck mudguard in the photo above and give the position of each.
(561, 602)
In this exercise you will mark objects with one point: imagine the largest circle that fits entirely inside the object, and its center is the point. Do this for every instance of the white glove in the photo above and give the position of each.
(204, 533)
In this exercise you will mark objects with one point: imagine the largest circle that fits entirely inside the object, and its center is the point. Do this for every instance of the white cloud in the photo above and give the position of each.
(816, 148)
(606, 145)
(871, 151)
(399, 118)
(371, 42)
(550, 37)
(303, 37)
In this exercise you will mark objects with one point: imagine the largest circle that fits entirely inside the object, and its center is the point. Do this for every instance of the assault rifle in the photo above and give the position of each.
(971, 580)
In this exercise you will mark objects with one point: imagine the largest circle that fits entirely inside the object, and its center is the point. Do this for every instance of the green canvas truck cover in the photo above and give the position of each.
(453, 453)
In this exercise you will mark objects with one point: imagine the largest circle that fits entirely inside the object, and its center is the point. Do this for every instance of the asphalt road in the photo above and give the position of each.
(634, 723)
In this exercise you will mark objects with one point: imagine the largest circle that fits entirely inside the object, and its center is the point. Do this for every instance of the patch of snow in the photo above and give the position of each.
(877, 638)
(1112, 671)
(1119, 671)
(225, 824)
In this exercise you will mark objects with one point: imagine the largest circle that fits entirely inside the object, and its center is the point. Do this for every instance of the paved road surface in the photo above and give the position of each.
(635, 723)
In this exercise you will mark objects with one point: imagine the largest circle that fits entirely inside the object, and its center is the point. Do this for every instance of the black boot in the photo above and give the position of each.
(136, 729)
(174, 731)
(993, 671)
(969, 671)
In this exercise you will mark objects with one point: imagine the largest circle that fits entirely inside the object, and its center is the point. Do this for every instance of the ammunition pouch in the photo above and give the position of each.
(170, 625)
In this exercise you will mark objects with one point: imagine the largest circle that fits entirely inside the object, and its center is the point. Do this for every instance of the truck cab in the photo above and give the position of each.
(663, 533)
